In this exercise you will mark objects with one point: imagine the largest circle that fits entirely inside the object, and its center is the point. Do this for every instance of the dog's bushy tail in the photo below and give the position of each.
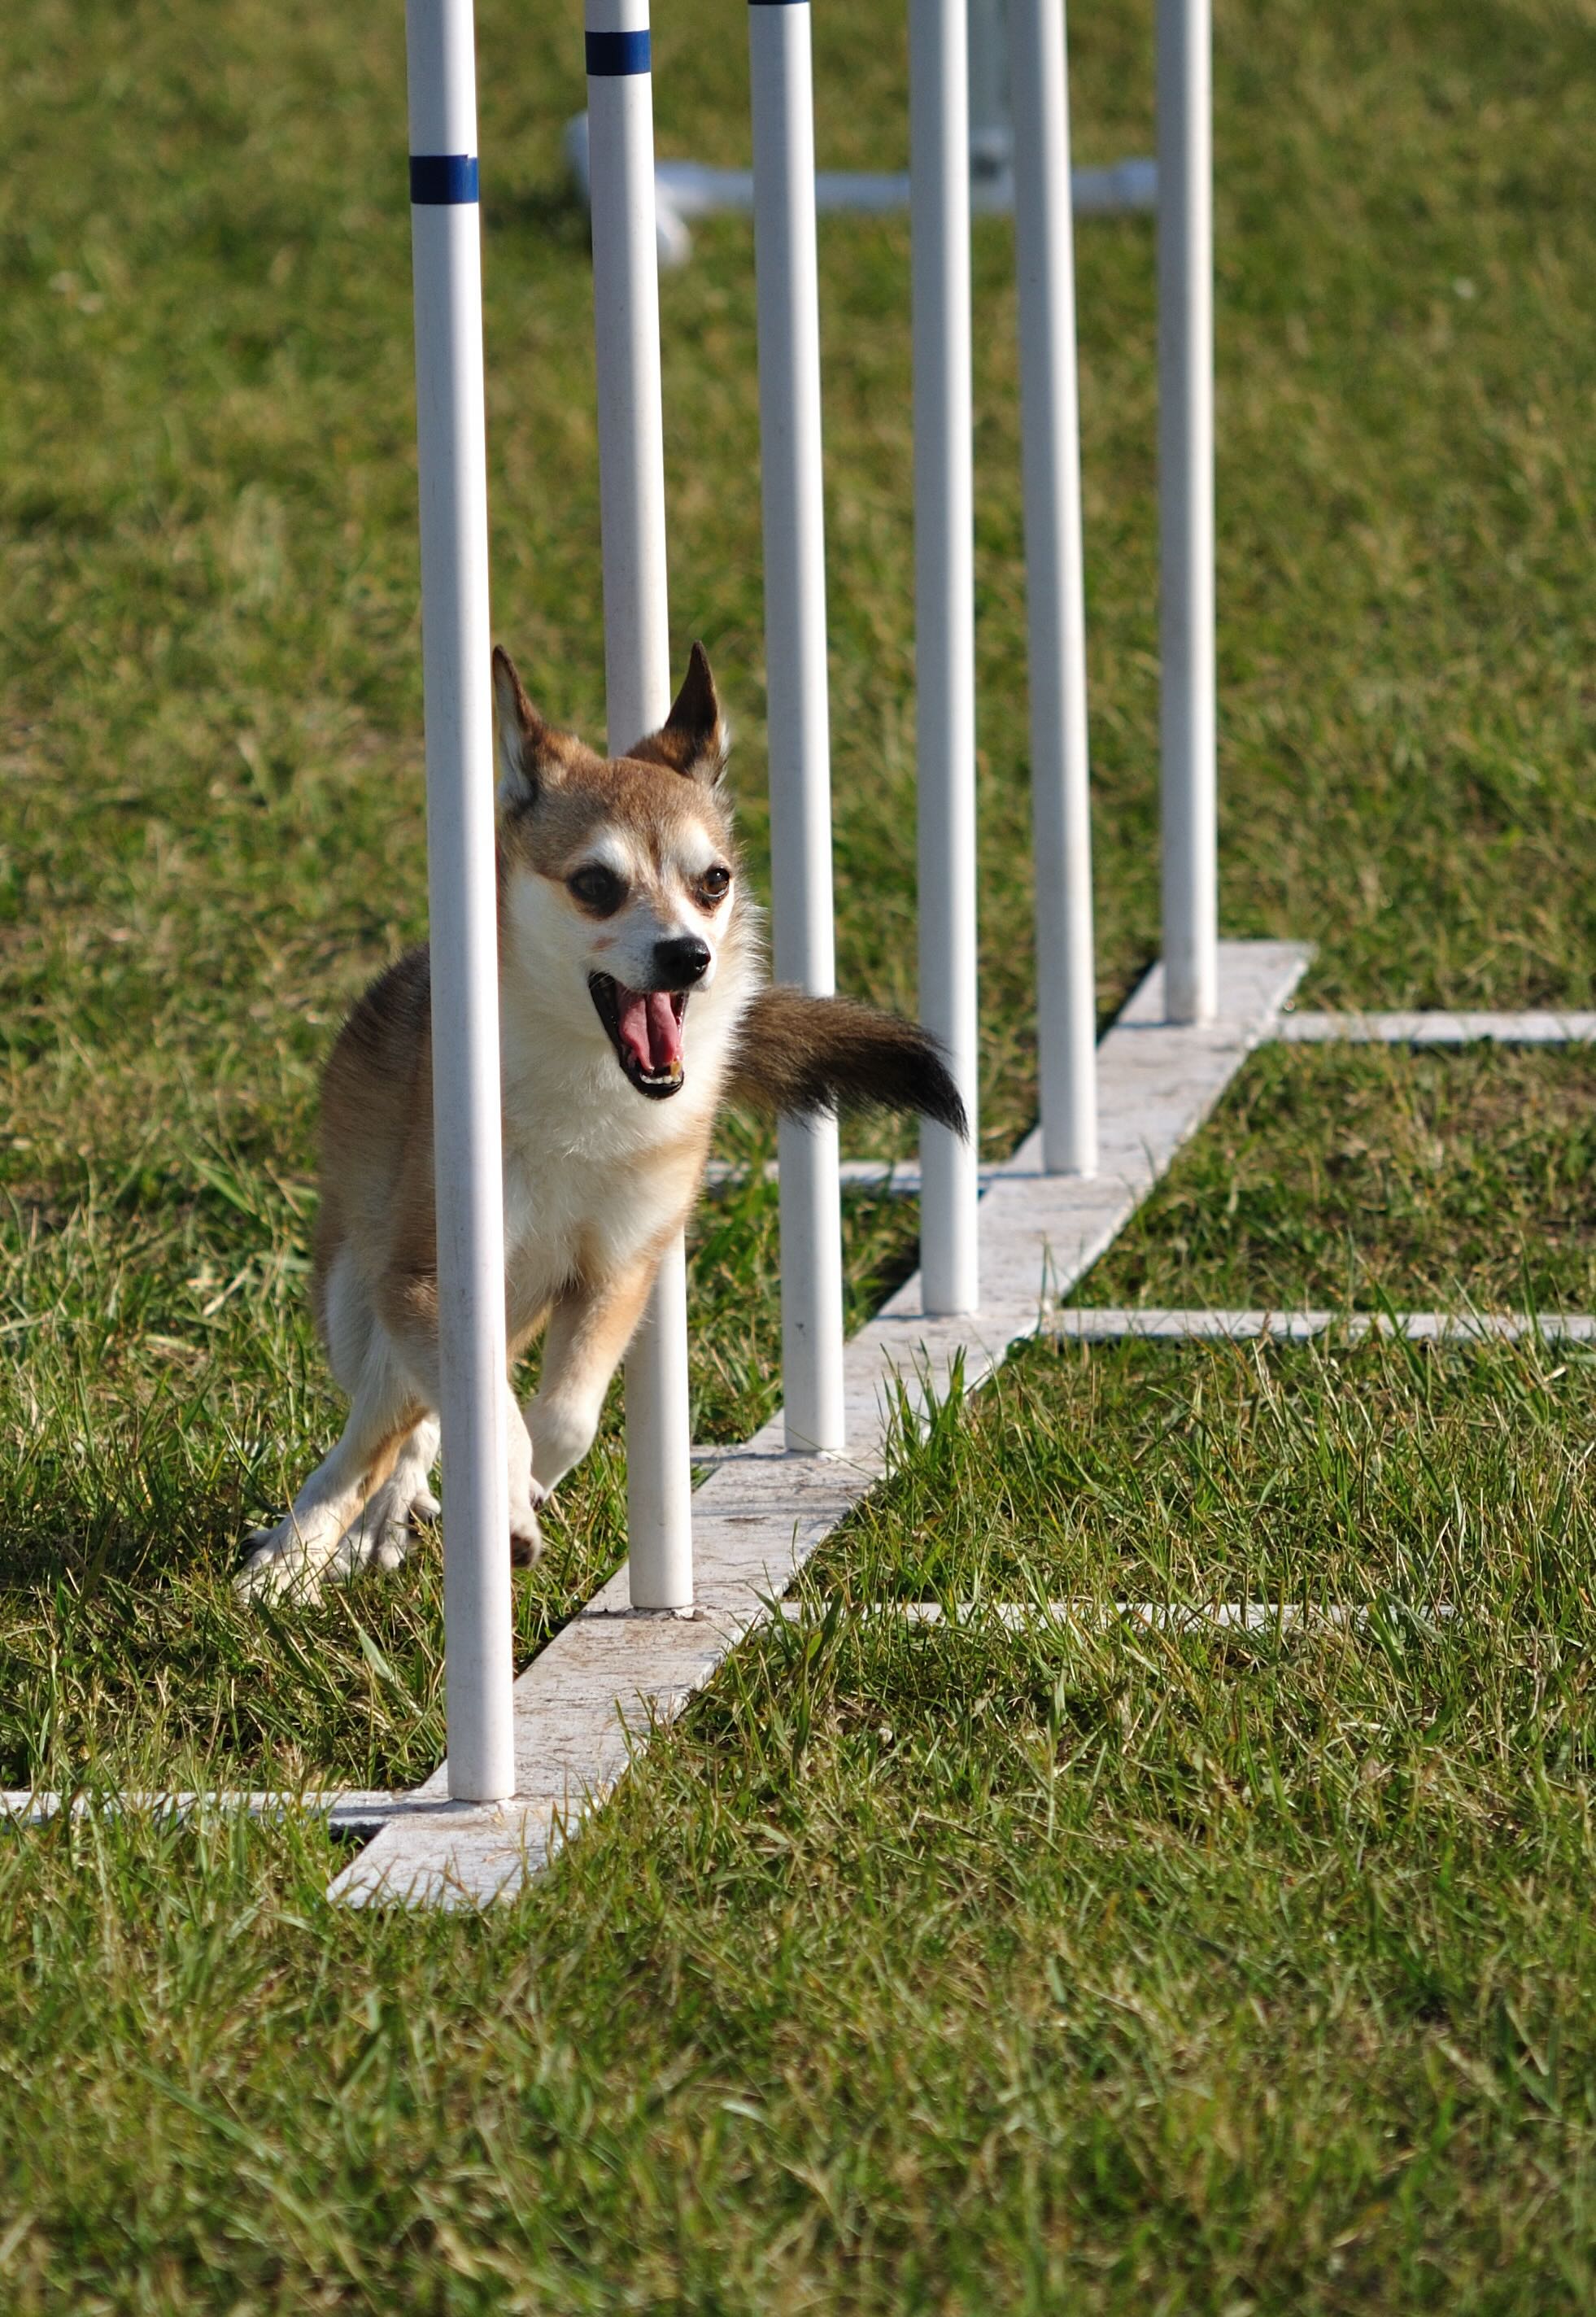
(808, 1055)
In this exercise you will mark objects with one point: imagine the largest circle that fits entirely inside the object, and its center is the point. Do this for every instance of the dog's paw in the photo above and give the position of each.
(526, 1536)
(383, 1536)
(275, 1567)
(366, 1544)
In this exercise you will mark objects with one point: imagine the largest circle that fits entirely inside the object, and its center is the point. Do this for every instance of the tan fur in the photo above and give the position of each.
(599, 1176)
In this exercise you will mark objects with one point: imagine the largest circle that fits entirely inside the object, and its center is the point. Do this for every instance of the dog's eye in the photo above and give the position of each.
(714, 883)
(597, 887)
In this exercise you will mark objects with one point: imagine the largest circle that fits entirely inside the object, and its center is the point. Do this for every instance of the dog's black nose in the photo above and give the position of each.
(682, 961)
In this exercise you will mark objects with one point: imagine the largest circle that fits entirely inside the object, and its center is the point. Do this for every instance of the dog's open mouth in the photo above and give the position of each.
(645, 1028)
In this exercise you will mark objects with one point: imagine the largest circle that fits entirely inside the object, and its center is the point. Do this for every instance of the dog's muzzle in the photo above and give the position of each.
(645, 1028)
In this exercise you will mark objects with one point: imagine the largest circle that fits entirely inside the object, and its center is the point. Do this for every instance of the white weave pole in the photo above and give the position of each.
(456, 644)
(637, 694)
(944, 628)
(787, 270)
(1186, 505)
(1061, 822)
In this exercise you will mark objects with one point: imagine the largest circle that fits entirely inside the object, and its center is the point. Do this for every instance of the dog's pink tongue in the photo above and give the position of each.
(650, 1031)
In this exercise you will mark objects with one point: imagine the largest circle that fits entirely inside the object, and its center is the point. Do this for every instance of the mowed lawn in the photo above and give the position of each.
(948, 1970)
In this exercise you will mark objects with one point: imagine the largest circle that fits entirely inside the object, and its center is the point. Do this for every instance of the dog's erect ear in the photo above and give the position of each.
(691, 741)
(531, 752)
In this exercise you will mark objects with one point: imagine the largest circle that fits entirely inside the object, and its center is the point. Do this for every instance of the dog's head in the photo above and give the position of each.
(620, 874)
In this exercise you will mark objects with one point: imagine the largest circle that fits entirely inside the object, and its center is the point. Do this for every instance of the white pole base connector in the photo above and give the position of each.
(638, 692)
(1185, 507)
(685, 190)
(787, 268)
(1061, 819)
(945, 631)
(468, 1132)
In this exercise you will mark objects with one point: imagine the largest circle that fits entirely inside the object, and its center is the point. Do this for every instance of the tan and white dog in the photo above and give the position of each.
(632, 1004)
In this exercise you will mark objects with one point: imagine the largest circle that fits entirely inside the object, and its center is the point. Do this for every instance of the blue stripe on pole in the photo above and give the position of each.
(442, 180)
(611, 55)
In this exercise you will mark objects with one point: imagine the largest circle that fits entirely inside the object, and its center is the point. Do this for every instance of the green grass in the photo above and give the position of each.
(1214, 1471)
(1348, 1178)
(945, 1970)
(939, 1970)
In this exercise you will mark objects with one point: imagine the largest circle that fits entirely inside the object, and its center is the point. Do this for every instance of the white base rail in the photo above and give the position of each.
(686, 189)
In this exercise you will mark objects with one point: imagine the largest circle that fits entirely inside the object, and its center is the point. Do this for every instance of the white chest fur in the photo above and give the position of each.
(595, 1171)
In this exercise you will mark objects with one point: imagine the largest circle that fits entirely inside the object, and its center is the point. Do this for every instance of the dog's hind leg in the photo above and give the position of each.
(381, 1535)
(526, 1538)
(384, 1413)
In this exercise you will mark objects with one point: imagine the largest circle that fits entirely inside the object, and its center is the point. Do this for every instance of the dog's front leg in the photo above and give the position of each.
(526, 1538)
(589, 1329)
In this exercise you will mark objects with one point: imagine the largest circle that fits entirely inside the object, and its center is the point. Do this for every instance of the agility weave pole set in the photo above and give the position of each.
(819, 1428)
